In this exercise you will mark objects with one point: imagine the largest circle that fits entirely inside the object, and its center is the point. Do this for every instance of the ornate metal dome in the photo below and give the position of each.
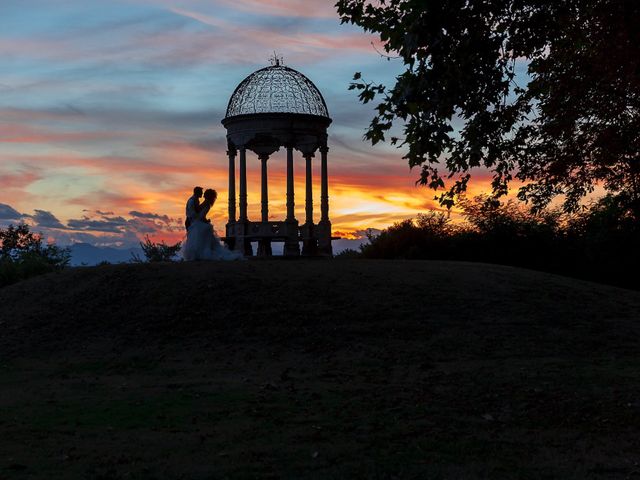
(277, 89)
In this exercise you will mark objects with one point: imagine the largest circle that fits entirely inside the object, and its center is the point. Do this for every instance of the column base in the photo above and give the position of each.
(323, 233)
(248, 248)
(292, 242)
(309, 241)
(230, 234)
(291, 249)
(309, 247)
(236, 238)
(264, 248)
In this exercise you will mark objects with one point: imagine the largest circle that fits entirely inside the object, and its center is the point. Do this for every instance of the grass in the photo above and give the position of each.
(343, 369)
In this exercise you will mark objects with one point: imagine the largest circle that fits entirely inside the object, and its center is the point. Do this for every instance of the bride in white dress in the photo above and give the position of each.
(202, 242)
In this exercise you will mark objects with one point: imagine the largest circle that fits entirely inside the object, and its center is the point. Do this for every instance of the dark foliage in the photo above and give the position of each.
(347, 254)
(575, 123)
(158, 252)
(23, 255)
(426, 238)
(599, 243)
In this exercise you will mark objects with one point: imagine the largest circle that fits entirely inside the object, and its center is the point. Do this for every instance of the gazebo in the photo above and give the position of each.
(276, 107)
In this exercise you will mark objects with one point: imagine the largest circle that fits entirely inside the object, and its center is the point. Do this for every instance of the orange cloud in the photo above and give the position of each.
(372, 192)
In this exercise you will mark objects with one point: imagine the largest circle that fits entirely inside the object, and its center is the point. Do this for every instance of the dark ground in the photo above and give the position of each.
(318, 369)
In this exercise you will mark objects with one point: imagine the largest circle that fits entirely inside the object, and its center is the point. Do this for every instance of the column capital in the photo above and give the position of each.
(323, 149)
(231, 151)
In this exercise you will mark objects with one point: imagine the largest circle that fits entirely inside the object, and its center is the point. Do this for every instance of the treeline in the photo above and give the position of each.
(23, 254)
(599, 243)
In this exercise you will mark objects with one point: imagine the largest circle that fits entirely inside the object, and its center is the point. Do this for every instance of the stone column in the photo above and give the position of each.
(323, 232)
(324, 186)
(232, 185)
(308, 207)
(309, 240)
(264, 244)
(243, 185)
(231, 224)
(265, 189)
(242, 229)
(291, 215)
(291, 244)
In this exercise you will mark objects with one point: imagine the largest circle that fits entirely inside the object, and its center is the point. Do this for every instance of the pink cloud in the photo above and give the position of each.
(167, 162)
(27, 115)
(226, 42)
(286, 8)
(19, 180)
(246, 37)
(24, 134)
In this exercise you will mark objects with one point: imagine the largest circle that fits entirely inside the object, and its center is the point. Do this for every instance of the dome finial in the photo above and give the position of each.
(276, 59)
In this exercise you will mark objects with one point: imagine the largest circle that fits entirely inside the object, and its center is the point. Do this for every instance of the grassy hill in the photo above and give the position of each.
(318, 369)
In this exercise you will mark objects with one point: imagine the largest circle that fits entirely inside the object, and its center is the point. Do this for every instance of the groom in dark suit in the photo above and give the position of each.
(193, 206)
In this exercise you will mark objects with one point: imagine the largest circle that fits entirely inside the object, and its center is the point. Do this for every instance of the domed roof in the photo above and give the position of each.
(277, 89)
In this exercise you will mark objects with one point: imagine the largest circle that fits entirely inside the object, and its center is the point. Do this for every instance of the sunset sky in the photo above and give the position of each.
(110, 113)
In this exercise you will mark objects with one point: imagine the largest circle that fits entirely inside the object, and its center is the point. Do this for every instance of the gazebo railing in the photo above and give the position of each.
(267, 229)
(276, 230)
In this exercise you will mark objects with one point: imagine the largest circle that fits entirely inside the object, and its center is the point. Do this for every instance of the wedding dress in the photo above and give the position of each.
(202, 242)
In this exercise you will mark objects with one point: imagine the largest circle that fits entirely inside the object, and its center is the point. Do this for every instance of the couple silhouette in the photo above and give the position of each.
(202, 243)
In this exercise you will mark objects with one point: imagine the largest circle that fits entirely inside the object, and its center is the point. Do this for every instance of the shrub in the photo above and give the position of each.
(428, 237)
(348, 253)
(9, 272)
(157, 252)
(23, 255)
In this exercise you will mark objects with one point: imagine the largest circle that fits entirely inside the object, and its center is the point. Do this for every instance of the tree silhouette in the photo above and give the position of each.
(573, 123)
(23, 255)
(157, 252)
